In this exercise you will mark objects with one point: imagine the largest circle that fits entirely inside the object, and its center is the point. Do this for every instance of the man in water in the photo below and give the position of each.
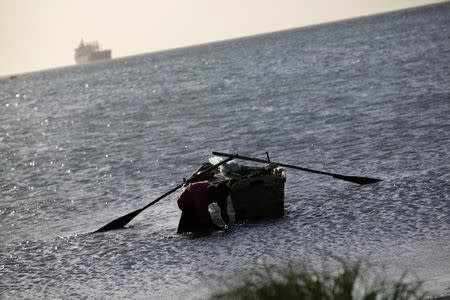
(194, 202)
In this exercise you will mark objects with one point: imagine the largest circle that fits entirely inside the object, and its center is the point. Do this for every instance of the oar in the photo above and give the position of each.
(124, 220)
(354, 179)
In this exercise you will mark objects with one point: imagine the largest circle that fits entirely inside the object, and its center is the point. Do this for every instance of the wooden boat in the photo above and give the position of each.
(257, 193)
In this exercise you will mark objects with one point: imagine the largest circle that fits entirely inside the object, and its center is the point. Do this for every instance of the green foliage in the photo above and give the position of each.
(302, 282)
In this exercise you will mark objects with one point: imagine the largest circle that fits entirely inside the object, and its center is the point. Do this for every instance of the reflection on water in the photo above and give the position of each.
(82, 146)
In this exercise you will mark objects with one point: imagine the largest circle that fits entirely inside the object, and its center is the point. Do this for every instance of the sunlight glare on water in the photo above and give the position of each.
(83, 145)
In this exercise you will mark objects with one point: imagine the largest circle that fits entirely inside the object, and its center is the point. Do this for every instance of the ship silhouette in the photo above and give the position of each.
(90, 52)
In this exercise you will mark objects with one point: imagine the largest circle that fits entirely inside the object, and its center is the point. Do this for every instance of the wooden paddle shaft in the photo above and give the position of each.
(354, 179)
(237, 156)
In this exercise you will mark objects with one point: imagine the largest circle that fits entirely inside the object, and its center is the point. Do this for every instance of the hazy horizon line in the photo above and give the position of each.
(218, 41)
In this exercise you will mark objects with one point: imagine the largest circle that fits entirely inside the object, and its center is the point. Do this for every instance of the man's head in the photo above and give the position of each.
(219, 192)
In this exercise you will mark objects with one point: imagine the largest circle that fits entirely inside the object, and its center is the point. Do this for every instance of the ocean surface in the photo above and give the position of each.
(83, 145)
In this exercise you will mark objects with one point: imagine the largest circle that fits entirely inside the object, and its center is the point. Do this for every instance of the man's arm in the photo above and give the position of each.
(223, 211)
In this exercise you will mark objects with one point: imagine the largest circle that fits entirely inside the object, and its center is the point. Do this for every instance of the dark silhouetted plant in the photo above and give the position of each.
(296, 281)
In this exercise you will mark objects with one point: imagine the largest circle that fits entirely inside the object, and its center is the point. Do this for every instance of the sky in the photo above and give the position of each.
(42, 34)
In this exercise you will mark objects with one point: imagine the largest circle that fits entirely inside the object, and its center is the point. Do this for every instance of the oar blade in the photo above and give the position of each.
(357, 179)
(124, 220)
(120, 222)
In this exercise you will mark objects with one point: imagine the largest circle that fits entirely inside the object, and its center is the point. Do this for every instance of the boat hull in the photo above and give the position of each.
(93, 57)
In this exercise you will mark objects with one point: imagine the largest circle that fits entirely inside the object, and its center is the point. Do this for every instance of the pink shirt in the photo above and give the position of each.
(196, 198)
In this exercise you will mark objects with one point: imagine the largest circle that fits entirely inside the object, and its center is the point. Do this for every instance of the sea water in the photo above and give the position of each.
(83, 145)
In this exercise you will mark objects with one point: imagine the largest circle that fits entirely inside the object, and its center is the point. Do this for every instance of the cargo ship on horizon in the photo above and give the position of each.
(90, 52)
